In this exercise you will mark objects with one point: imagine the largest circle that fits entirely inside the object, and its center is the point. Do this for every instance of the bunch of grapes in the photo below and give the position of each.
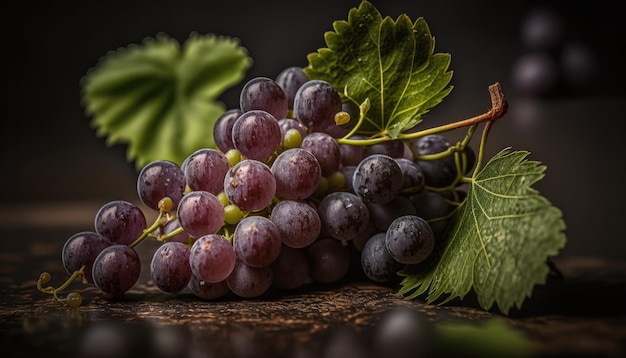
(281, 202)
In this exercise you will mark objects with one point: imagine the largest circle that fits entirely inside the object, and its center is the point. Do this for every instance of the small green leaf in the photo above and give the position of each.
(390, 62)
(161, 99)
(499, 241)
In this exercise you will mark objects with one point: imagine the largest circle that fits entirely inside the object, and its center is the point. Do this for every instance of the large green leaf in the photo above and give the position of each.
(390, 62)
(161, 99)
(499, 241)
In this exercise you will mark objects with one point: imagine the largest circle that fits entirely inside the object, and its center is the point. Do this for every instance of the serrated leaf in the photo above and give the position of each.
(390, 62)
(499, 241)
(161, 98)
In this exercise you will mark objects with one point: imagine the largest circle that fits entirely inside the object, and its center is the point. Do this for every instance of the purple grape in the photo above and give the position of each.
(315, 104)
(376, 262)
(326, 149)
(256, 241)
(116, 269)
(330, 260)
(200, 213)
(250, 185)
(262, 93)
(212, 258)
(256, 134)
(170, 267)
(205, 169)
(120, 221)
(377, 179)
(82, 249)
(413, 175)
(291, 269)
(206, 290)
(298, 223)
(410, 239)
(160, 179)
(249, 282)
(297, 173)
(223, 129)
(382, 215)
(343, 215)
(290, 80)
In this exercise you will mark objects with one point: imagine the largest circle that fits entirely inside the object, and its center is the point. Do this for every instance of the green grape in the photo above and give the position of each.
(233, 156)
(166, 204)
(74, 299)
(292, 139)
(336, 181)
(232, 214)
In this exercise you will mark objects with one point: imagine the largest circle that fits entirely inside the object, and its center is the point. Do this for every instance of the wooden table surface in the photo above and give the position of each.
(581, 315)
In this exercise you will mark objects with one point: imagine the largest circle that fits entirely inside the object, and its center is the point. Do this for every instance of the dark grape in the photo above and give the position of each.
(315, 104)
(297, 173)
(206, 290)
(325, 148)
(410, 239)
(256, 134)
(382, 215)
(256, 241)
(160, 179)
(120, 221)
(291, 269)
(290, 80)
(262, 93)
(212, 258)
(200, 213)
(376, 262)
(343, 215)
(223, 129)
(116, 269)
(249, 282)
(250, 185)
(82, 249)
(377, 179)
(205, 170)
(298, 222)
(330, 260)
(170, 268)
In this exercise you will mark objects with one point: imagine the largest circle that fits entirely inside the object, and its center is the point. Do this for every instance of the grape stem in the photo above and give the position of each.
(80, 273)
(498, 109)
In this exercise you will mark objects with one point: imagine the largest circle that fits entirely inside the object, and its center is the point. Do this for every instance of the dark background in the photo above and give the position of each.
(51, 155)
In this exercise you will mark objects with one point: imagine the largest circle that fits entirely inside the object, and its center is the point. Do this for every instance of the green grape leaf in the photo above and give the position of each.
(499, 241)
(390, 62)
(161, 98)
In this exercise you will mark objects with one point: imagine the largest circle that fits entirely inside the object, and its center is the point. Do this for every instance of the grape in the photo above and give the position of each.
(82, 249)
(212, 258)
(120, 221)
(223, 129)
(200, 213)
(291, 269)
(343, 215)
(298, 223)
(377, 179)
(330, 260)
(206, 290)
(359, 241)
(413, 175)
(440, 172)
(116, 269)
(315, 104)
(249, 282)
(286, 124)
(410, 239)
(348, 174)
(160, 179)
(205, 170)
(351, 155)
(297, 173)
(382, 215)
(376, 262)
(579, 66)
(290, 80)
(250, 185)
(325, 148)
(256, 241)
(170, 268)
(256, 134)
(262, 93)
